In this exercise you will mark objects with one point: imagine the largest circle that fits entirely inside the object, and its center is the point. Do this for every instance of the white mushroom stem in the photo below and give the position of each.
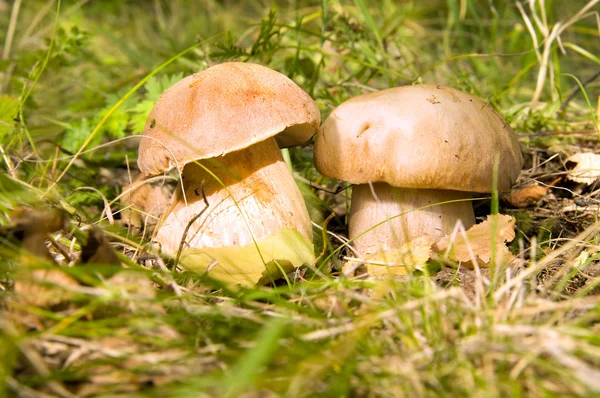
(260, 197)
(390, 202)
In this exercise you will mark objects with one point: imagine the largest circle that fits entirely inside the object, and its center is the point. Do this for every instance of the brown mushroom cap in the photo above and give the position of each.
(225, 108)
(422, 136)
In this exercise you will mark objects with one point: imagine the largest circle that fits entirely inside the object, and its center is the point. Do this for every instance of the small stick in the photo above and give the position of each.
(187, 228)
(59, 247)
(320, 187)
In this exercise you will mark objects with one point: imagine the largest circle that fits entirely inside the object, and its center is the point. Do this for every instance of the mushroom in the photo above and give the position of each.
(414, 154)
(223, 128)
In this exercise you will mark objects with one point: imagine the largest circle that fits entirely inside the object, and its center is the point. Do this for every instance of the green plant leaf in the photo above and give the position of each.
(8, 111)
(75, 136)
(167, 81)
(139, 115)
(366, 14)
(116, 124)
(243, 265)
(252, 363)
(155, 87)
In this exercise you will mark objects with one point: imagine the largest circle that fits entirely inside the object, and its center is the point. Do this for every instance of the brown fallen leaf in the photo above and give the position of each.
(587, 167)
(42, 219)
(35, 245)
(98, 250)
(38, 287)
(526, 196)
(481, 239)
(31, 226)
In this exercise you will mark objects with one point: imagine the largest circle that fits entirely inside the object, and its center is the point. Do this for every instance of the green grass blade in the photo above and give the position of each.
(368, 18)
(252, 363)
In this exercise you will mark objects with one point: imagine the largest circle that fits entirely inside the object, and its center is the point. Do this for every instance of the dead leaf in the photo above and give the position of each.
(526, 196)
(31, 227)
(98, 250)
(587, 168)
(35, 244)
(482, 241)
(40, 219)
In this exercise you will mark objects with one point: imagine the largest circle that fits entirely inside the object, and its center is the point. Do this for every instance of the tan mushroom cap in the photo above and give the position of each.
(222, 109)
(422, 136)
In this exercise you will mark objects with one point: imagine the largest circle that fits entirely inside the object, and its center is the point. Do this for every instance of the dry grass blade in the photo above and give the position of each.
(36, 362)
(549, 38)
(559, 347)
(370, 320)
(190, 223)
(535, 268)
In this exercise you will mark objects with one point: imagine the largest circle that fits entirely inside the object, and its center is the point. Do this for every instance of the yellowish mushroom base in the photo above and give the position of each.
(260, 263)
(411, 256)
(253, 201)
(383, 226)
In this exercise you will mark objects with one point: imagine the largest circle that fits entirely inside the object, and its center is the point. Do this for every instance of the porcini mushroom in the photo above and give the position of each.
(223, 127)
(408, 149)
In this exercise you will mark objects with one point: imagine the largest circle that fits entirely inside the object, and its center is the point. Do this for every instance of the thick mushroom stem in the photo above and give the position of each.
(255, 197)
(437, 220)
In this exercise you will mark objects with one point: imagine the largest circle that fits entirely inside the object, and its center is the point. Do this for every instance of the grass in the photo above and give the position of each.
(77, 81)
